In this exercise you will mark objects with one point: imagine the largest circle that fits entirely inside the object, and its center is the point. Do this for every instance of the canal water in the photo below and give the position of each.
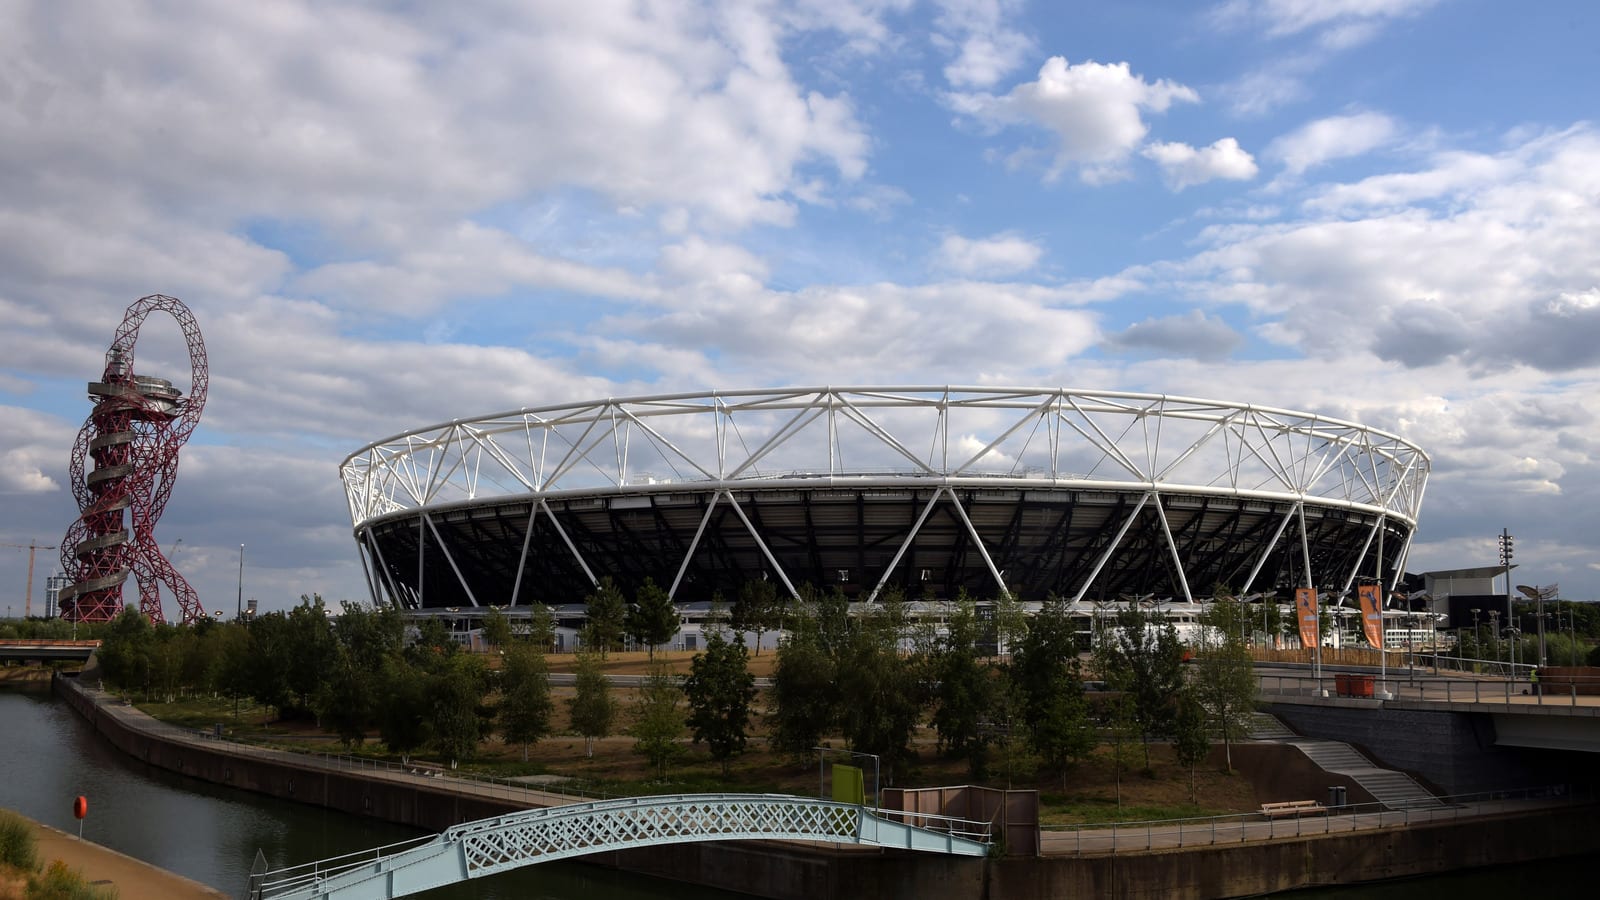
(210, 833)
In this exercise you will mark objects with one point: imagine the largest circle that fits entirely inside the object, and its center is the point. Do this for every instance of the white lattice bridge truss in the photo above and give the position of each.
(487, 846)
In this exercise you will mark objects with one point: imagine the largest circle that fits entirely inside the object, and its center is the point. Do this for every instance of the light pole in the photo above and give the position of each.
(1505, 560)
(239, 607)
(1477, 636)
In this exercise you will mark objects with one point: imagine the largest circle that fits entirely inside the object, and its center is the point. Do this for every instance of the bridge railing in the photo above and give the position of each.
(1164, 834)
(1417, 684)
(291, 879)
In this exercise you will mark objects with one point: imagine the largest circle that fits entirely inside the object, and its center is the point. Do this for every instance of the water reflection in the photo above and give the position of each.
(49, 755)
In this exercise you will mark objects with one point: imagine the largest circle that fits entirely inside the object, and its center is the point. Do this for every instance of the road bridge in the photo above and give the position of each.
(501, 843)
(33, 650)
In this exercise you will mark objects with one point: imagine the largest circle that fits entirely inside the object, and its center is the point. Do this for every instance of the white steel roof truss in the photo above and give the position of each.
(1218, 425)
(876, 430)
(487, 444)
(659, 440)
(803, 417)
(577, 453)
(1099, 439)
(983, 551)
(1027, 416)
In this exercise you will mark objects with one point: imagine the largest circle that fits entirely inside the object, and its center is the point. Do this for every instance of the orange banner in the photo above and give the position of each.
(1370, 598)
(1305, 611)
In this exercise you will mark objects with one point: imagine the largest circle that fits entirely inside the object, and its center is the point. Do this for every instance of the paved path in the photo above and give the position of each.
(133, 879)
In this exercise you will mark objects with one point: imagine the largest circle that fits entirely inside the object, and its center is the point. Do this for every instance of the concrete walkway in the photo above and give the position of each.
(102, 866)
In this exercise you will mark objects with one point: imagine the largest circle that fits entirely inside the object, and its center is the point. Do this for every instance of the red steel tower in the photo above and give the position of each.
(132, 438)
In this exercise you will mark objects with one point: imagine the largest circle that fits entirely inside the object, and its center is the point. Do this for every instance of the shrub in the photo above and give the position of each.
(17, 845)
(61, 883)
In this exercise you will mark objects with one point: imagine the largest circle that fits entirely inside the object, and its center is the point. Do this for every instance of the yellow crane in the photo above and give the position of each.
(27, 599)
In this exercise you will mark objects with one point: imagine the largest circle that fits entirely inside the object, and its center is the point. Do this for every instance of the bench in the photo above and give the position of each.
(1289, 808)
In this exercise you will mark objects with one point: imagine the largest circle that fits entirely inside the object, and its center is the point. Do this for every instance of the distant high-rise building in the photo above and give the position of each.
(52, 590)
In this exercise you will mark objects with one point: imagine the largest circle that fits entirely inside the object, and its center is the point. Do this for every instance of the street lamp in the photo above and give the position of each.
(1505, 560)
(239, 607)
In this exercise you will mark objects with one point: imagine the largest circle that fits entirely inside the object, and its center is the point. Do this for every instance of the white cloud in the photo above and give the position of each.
(1000, 254)
(1195, 335)
(985, 48)
(1335, 137)
(1096, 111)
(1337, 24)
(1185, 166)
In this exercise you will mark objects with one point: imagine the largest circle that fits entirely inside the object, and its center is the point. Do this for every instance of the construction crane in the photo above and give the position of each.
(27, 599)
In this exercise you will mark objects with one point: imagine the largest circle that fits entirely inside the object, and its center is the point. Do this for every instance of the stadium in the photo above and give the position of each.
(1086, 495)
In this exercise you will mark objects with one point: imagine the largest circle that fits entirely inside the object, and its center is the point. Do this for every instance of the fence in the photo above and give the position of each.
(1164, 834)
(1407, 684)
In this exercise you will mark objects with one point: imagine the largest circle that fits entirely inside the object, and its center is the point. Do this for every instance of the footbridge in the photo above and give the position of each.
(501, 843)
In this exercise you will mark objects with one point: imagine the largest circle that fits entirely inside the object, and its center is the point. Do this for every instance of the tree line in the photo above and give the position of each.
(869, 677)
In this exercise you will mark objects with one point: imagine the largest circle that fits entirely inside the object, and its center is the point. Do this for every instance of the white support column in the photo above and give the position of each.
(906, 544)
(1361, 557)
(449, 558)
(522, 560)
(1111, 548)
(771, 560)
(1172, 545)
(366, 570)
(1267, 551)
(395, 595)
(978, 542)
(693, 545)
(550, 514)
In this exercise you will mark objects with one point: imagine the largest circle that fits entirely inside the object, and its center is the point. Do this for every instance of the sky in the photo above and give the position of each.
(388, 215)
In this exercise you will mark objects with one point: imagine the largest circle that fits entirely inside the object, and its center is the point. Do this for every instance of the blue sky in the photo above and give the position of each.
(387, 216)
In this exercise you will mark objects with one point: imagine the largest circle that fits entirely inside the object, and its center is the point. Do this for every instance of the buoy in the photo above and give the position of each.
(80, 811)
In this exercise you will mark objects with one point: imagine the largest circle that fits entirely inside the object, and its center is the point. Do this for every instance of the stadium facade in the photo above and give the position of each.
(1087, 495)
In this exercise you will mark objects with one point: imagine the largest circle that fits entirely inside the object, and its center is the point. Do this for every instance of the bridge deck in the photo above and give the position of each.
(500, 843)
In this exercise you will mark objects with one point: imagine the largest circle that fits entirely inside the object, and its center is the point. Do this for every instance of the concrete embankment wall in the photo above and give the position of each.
(1453, 751)
(786, 871)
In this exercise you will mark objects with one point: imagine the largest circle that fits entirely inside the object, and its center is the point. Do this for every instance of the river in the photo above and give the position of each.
(210, 833)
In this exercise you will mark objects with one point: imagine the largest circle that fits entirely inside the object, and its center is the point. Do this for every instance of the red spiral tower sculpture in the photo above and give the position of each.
(132, 438)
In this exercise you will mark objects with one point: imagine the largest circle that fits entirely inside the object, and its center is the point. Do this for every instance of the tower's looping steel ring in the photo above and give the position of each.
(131, 437)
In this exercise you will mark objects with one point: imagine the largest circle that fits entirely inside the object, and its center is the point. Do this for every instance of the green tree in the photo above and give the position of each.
(652, 619)
(124, 652)
(964, 692)
(1223, 677)
(805, 691)
(496, 628)
(525, 704)
(270, 657)
(1124, 729)
(756, 610)
(348, 702)
(886, 694)
(657, 719)
(1048, 683)
(1190, 742)
(313, 650)
(591, 709)
(1141, 657)
(1010, 622)
(606, 610)
(720, 690)
(403, 713)
(541, 627)
(458, 716)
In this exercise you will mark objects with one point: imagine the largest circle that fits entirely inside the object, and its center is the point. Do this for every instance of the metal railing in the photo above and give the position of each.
(1164, 834)
(1415, 684)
